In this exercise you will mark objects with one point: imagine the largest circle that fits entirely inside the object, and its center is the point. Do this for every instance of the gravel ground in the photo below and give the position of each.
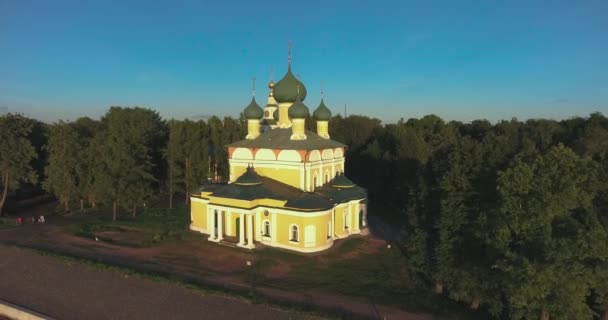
(65, 290)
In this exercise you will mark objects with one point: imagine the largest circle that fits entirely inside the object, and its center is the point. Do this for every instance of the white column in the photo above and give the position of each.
(302, 182)
(250, 231)
(242, 230)
(308, 181)
(212, 234)
(356, 226)
(258, 222)
(220, 225)
(333, 224)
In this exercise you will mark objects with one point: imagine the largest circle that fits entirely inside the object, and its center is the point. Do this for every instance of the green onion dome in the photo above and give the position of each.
(322, 113)
(286, 90)
(275, 114)
(253, 110)
(298, 110)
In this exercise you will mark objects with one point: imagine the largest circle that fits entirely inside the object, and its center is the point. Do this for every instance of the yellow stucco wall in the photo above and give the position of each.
(286, 175)
(320, 223)
(339, 217)
(280, 227)
(199, 215)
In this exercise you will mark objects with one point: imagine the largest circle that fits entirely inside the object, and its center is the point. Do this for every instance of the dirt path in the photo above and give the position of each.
(197, 262)
(75, 291)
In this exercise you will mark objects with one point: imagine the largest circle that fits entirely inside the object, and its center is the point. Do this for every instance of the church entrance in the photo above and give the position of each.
(361, 222)
(238, 227)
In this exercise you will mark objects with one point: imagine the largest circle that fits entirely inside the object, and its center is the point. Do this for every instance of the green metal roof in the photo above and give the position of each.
(280, 138)
(298, 110)
(322, 113)
(286, 90)
(341, 181)
(341, 189)
(249, 178)
(268, 188)
(268, 122)
(253, 110)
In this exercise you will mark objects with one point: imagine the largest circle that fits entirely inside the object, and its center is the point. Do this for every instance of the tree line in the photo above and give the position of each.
(121, 160)
(510, 217)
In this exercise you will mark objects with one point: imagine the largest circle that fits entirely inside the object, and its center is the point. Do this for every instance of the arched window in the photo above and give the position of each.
(314, 183)
(326, 178)
(266, 228)
(293, 233)
(267, 114)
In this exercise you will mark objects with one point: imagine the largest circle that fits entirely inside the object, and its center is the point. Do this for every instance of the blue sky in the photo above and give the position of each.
(388, 59)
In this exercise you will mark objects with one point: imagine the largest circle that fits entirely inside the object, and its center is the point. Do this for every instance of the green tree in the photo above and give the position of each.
(88, 161)
(62, 169)
(539, 231)
(16, 154)
(126, 147)
(187, 156)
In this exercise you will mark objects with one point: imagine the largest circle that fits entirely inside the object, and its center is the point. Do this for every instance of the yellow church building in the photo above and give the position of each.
(287, 187)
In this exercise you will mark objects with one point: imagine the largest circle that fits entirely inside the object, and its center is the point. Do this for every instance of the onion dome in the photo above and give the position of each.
(249, 178)
(322, 113)
(253, 110)
(298, 110)
(286, 90)
(341, 181)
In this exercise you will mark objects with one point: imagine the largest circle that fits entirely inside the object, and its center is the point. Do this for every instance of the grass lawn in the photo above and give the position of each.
(150, 227)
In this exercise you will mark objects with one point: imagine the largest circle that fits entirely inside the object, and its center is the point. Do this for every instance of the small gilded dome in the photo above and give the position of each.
(253, 110)
(298, 110)
(275, 115)
(322, 113)
(286, 90)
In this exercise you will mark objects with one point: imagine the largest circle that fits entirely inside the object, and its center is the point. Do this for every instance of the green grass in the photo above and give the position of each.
(154, 225)
(379, 278)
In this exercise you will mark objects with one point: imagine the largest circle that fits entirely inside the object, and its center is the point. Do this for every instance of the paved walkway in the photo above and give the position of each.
(67, 291)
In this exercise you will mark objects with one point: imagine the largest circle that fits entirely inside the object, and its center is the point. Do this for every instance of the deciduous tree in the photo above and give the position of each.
(16, 154)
